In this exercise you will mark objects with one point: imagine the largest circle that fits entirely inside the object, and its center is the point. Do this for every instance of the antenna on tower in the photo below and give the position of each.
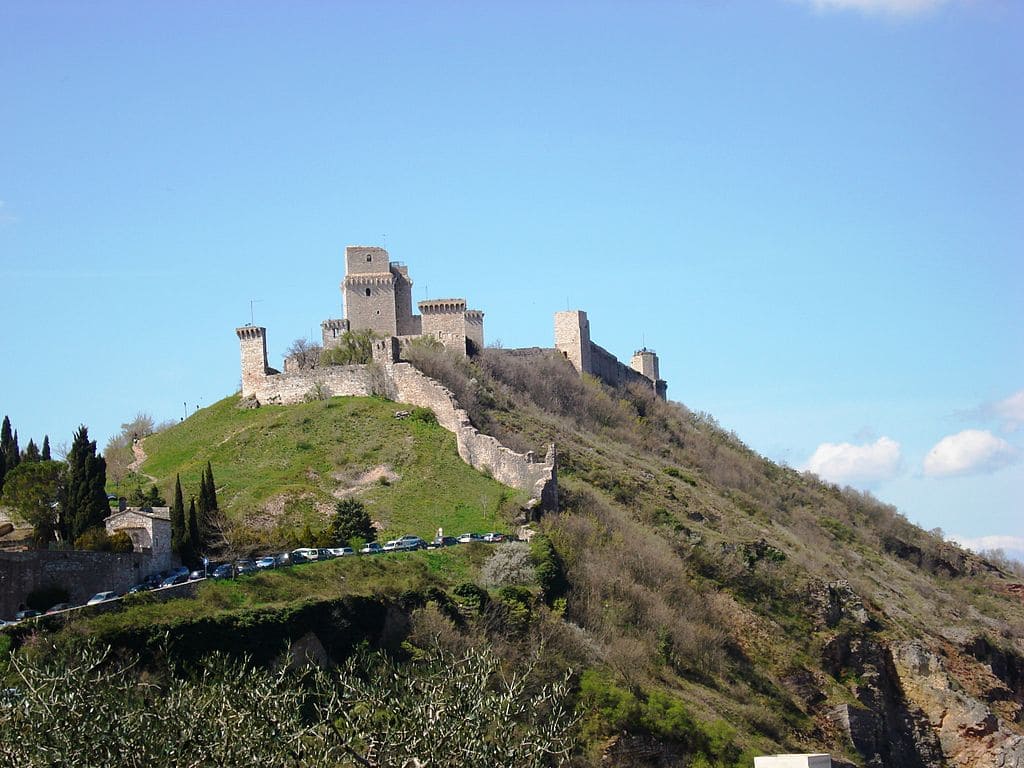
(252, 316)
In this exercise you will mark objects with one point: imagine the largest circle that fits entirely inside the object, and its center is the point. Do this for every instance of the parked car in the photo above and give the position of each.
(223, 571)
(266, 563)
(285, 558)
(324, 554)
(392, 546)
(5, 623)
(174, 580)
(27, 614)
(373, 548)
(196, 575)
(411, 542)
(494, 537)
(144, 586)
(102, 597)
(467, 538)
(58, 608)
(308, 555)
(341, 551)
(444, 541)
(242, 567)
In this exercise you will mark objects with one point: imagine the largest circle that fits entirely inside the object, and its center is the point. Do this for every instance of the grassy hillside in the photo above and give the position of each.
(708, 604)
(278, 468)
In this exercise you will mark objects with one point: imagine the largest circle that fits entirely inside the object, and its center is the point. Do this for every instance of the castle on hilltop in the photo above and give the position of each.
(377, 296)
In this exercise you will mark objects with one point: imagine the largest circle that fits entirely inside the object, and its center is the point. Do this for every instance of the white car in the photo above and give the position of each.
(102, 597)
(341, 551)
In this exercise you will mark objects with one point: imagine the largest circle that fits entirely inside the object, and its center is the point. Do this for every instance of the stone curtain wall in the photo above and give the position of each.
(403, 383)
(480, 451)
(607, 367)
(82, 574)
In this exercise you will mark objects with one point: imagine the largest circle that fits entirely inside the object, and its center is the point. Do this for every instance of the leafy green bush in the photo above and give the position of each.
(471, 595)
(423, 415)
(353, 348)
(549, 567)
(120, 541)
(93, 539)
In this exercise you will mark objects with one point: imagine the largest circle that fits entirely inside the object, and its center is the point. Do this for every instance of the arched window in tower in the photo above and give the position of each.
(367, 291)
(369, 257)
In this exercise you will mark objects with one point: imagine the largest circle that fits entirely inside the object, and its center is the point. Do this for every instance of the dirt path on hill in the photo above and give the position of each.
(140, 458)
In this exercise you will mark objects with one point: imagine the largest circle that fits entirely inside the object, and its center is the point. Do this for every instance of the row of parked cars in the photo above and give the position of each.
(177, 576)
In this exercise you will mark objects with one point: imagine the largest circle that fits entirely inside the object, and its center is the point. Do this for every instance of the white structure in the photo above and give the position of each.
(818, 760)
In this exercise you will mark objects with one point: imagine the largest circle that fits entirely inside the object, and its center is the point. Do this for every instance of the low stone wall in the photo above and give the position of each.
(82, 574)
(403, 383)
(294, 386)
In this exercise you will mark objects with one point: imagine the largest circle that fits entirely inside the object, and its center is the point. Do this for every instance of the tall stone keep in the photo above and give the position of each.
(377, 293)
(572, 338)
(253, 341)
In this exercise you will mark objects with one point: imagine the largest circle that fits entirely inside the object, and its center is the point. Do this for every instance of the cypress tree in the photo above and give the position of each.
(9, 445)
(3, 470)
(86, 489)
(179, 527)
(31, 452)
(211, 489)
(207, 505)
(195, 545)
(46, 448)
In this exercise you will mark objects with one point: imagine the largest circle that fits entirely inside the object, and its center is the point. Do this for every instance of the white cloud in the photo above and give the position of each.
(886, 7)
(1012, 545)
(1011, 411)
(848, 463)
(968, 452)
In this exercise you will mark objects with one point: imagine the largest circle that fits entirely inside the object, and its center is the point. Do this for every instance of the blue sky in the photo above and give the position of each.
(812, 209)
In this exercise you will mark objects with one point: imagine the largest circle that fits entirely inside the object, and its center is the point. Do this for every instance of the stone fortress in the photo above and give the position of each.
(377, 296)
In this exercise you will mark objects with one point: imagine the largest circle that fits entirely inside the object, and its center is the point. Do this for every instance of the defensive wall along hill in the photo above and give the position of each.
(377, 296)
(401, 382)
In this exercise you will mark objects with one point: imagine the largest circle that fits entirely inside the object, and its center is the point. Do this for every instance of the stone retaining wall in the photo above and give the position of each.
(82, 574)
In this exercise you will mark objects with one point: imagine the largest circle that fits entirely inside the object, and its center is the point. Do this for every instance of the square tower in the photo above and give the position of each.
(368, 290)
(572, 338)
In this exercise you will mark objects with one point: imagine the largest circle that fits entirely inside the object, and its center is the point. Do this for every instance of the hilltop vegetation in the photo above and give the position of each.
(707, 604)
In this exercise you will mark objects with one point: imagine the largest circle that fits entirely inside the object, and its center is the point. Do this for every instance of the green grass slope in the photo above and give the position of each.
(278, 468)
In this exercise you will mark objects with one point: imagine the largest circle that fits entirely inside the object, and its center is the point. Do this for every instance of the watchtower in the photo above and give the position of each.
(572, 338)
(252, 339)
(645, 361)
(445, 320)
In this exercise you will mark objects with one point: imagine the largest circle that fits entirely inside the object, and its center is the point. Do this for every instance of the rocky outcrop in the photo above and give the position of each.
(970, 734)
(881, 725)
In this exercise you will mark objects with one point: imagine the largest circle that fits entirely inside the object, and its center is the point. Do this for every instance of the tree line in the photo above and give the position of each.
(63, 501)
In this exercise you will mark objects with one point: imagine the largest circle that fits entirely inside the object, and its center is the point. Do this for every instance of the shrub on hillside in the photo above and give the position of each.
(510, 564)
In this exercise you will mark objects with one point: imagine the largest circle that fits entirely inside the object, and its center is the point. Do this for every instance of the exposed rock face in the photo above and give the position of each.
(970, 734)
(883, 728)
